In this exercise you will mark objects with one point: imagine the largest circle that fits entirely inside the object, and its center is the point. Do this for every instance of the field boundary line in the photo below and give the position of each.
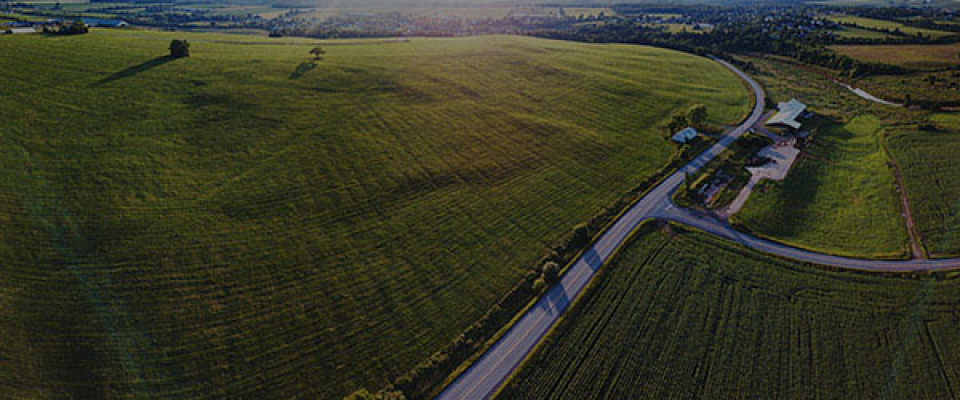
(578, 301)
(902, 256)
(663, 173)
(642, 209)
(916, 240)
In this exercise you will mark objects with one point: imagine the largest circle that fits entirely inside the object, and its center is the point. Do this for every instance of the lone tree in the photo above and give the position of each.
(317, 53)
(77, 28)
(179, 48)
(551, 271)
(697, 115)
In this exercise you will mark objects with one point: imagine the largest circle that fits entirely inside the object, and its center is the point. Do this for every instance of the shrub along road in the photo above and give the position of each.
(483, 378)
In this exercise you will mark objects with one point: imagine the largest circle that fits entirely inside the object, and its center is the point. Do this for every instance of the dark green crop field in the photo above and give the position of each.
(928, 161)
(697, 317)
(247, 222)
(921, 57)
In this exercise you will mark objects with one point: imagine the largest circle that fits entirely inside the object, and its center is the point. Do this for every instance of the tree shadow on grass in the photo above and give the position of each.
(134, 70)
(303, 68)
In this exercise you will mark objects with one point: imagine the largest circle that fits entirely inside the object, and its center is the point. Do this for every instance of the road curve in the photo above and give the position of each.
(720, 228)
(489, 372)
(486, 375)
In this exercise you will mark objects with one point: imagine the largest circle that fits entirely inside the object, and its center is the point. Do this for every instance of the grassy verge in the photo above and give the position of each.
(645, 228)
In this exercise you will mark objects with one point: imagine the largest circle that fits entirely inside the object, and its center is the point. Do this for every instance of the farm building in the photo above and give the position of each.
(788, 113)
(99, 22)
(13, 31)
(684, 135)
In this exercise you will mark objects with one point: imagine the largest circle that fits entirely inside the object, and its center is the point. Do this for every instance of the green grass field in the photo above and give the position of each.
(250, 223)
(838, 198)
(883, 24)
(588, 11)
(493, 11)
(847, 32)
(696, 317)
(948, 120)
(784, 78)
(680, 28)
(922, 57)
(24, 17)
(925, 3)
(844, 187)
(944, 90)
(928, 163)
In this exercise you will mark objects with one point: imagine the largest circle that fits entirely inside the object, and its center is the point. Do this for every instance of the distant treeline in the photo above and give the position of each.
(797, 32)
(726, 41)
(926, 18)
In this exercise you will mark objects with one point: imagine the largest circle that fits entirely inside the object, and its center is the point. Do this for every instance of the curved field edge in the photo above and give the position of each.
(682, 314)
(250, 222)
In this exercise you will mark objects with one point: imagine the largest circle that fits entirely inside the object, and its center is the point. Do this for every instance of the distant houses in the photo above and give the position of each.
(788, 114)
(14, 31)
(97, 22)
(106, 23)
(685, 135)
(55, 24)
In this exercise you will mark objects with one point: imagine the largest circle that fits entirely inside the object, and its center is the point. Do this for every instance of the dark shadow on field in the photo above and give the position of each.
(303, 68)
(796, 194)
(134, 70)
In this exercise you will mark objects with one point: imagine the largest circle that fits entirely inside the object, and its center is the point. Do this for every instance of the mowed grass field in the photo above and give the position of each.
(249, 223)
(947, 120)
(588, 11)
(883, 24)
(923, 57)
(838, 197)
(841, 197)
(697, 317)
(847, 32)
(929, 165)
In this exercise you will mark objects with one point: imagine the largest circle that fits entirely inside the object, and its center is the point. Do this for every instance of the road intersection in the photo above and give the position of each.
(486, 375)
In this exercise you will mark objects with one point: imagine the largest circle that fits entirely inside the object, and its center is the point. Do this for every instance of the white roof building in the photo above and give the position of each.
(684, 135)
(787, 116)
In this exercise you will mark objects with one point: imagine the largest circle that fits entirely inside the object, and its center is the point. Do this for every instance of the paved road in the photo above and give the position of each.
(489, 372)
(720, 228)
(863, 93)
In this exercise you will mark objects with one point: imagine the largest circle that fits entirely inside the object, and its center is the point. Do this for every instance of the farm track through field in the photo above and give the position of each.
(916, 241)
(489, 372)
(863, 94)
